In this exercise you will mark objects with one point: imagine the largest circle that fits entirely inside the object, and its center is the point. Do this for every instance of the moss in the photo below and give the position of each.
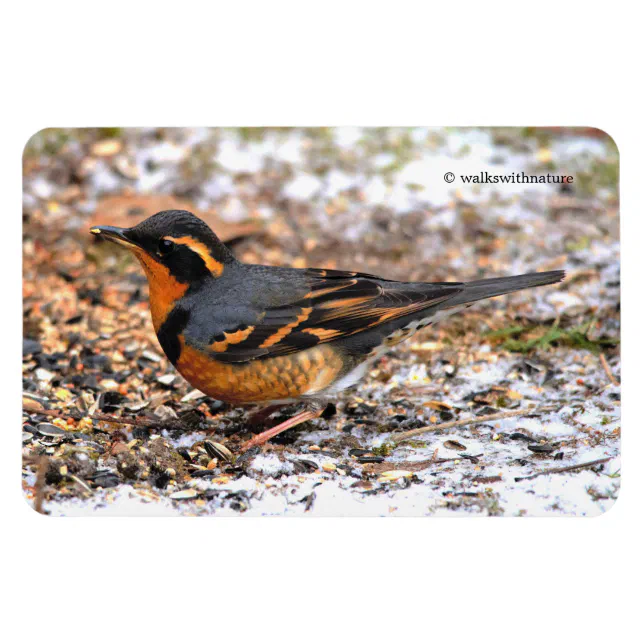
(602, 174)
(162, 457)
(492, 504)
(251, 134)
(508, 332)
(525, 339)
(580, 244)
(384, 450)
(110, 132)
(502, 402)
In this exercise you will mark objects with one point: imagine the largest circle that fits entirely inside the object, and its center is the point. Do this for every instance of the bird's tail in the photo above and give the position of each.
(482, 289)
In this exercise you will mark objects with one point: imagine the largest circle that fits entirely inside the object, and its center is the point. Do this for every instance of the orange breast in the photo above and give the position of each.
(262, 380)
(165, 290)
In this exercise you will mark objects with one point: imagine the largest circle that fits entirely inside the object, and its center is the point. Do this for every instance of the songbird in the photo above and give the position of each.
(245, 333)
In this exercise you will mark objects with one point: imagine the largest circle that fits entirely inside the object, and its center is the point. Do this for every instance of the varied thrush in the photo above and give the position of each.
(246, 333)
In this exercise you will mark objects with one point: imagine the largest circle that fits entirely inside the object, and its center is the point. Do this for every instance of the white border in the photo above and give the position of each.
(328, 63)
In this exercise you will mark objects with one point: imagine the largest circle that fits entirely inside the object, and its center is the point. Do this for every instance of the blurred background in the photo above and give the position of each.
(366, 198)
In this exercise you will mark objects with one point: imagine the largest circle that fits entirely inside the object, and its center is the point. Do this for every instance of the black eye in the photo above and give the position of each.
(165, 246)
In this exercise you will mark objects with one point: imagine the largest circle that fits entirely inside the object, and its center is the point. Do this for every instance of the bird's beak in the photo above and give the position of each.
(113, 234)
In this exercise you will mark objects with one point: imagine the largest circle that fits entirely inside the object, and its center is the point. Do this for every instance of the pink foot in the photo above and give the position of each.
(298, 419)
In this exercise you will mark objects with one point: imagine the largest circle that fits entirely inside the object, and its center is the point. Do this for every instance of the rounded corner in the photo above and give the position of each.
(610, 137)
(31, 137)
(606, 511)
(31, 506)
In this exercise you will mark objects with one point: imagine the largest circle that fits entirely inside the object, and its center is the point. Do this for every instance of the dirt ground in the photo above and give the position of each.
(109, 427)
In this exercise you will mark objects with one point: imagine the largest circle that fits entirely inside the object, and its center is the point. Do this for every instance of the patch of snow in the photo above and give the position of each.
(124, 501)
(235, 158)
(271, 465)
(304, 186)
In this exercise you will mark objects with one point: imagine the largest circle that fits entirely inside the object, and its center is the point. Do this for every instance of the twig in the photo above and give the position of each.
(81, 483)
(39, 485)
(460, 457)
(309, 501)
(561, 470)
(590, 329)
(468, 421)
(609, 373)
(416, 466)
(147, 424)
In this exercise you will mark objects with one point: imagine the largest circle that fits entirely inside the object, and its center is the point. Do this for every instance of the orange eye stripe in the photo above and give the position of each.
(215, 267)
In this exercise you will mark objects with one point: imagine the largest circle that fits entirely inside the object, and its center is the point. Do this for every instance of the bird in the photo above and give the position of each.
(269, 335)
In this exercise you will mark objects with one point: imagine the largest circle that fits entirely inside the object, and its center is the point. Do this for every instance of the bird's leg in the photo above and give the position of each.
(258, 417)
(314, 410)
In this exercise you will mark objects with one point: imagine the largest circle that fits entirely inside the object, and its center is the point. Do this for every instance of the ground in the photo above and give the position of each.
(371, 200)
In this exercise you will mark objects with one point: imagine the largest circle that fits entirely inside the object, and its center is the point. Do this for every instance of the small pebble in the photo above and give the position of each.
(542, 449)
(201, 474)
(394, 475)
(184, 495)
(106, 479)
(30, 347)
(371, 459)
(305, 465)
(217, 450)
(43, 375)
(195, 394)
(47, 429)
(165, 413)
(138, 406)
(518, 436)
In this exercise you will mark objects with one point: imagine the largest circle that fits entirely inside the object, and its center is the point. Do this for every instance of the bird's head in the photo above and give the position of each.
(174, 243)
(176, 249)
